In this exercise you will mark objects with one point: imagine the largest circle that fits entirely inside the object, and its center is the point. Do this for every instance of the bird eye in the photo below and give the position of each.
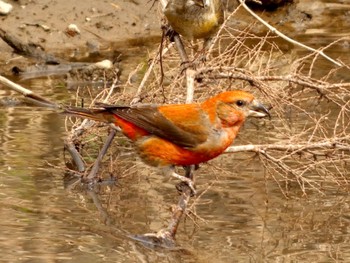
(240, 103)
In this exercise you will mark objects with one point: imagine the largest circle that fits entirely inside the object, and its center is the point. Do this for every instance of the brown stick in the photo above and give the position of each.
(69, 146)
(101, 154)
(34, 98)
(27, 49)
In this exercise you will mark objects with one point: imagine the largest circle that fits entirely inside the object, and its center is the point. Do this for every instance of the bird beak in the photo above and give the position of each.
(257, 109)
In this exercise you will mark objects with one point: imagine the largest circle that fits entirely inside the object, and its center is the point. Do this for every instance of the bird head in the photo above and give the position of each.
(233, 107)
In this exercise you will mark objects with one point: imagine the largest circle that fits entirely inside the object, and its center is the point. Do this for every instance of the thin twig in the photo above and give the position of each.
(101, 154)
(35, 98)
(190, 80)
(280, 34)
(137, 97)
(289, 147)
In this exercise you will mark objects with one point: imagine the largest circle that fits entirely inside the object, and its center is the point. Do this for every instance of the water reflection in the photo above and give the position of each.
(241, 217)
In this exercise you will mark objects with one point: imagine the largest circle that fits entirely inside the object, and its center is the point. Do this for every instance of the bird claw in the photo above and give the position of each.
(185, 181)
(169, 32)
(182, 186)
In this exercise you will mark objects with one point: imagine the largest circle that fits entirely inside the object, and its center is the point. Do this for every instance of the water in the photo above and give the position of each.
(242, 217)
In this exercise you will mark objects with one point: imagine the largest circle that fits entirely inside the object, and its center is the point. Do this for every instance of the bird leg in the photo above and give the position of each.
(189, 170)
(169, 170)
(189, 173)
(202, 53)
(175, 37)
(181, 49)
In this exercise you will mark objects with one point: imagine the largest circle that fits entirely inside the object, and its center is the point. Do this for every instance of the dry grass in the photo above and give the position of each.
(308, 140)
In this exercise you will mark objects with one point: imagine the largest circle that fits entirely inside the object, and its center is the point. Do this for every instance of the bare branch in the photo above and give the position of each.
(274, 30)
(35, 98)
(295, 148)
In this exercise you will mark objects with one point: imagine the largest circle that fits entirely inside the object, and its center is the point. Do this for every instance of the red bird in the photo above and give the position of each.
(180, 134)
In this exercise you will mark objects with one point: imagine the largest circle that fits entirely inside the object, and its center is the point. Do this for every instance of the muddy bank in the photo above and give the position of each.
(43, 22)
(105, 28)
(121, 30)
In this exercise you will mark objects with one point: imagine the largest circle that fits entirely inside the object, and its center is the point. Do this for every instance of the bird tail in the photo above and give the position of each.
(101, 115)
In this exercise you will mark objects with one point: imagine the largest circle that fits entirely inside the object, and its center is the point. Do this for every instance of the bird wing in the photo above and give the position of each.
(183, 125)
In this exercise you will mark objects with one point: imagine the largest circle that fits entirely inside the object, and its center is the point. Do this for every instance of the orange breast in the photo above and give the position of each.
(158, 152)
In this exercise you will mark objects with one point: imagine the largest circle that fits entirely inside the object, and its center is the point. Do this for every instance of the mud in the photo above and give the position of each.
(105, 27)
(118, 31)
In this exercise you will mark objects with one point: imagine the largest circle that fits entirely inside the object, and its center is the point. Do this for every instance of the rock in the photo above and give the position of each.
(104, 64)
(5, 8)
(72, 30)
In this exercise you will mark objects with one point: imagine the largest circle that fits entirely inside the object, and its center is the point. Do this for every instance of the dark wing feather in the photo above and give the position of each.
(150, 119)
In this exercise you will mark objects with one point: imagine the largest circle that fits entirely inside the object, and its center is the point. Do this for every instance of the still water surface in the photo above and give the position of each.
(243, 217)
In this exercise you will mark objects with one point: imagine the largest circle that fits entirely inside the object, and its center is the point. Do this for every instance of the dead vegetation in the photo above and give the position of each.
(307, 141)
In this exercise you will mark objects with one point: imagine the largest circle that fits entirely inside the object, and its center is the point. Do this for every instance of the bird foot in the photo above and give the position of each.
(169, 32)
(182, 186)
(185, 182)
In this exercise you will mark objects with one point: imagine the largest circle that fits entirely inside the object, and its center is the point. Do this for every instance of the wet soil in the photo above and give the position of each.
(127, 29)
(106, 29)
(45, 22)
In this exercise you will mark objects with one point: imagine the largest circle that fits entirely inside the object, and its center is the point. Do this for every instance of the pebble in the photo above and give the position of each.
(5, 8)
(72, 30)
(104, 64)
